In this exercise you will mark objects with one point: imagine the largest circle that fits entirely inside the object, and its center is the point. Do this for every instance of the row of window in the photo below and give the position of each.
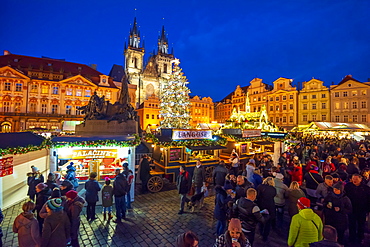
(363, 105)
(346, 118)
(153, 116)
(314, 96)
(54, 90)
(314, 117)
(314, 106)
(284, 108)
(281, 119)
(284, 97)
(353, 93)
(33, 108)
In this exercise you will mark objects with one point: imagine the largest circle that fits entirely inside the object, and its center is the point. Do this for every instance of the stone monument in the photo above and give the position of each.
(104, 118)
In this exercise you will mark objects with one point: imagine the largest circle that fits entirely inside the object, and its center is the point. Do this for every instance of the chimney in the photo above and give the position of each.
(94, 66)
(6, 52)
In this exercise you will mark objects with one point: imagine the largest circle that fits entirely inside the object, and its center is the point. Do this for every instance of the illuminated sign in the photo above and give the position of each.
(191, 134)
(90, 154)
(275, 134)
(251, 133)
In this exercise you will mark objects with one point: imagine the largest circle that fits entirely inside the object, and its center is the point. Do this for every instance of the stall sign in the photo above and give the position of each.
(191, 134)
(90, 154)
(6, 166)
(274, 134)
(251, 133)
(175, 154)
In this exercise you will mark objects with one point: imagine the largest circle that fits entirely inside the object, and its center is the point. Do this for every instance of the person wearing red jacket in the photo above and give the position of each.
(297, 174)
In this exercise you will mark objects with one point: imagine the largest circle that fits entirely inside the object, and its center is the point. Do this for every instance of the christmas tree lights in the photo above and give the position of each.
(175, 103)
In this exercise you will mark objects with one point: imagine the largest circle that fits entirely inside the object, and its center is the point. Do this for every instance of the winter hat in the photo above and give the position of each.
(235, 225)
(70, 165)
(34, 169)
(228, 186)
(125, 164)
(303, 203)
(55, 204)
(55, 193)
(279, 176)
(71, 194)
(252, 161)
(41, 186)
(106, 178)
(338, 186)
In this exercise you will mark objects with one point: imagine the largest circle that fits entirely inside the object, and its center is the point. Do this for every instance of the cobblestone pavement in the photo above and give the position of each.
(153, 222)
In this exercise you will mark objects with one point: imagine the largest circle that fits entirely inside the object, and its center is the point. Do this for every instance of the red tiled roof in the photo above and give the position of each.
(67, 69)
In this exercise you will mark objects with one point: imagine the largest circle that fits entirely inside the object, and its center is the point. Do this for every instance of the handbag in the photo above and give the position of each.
(191, 191)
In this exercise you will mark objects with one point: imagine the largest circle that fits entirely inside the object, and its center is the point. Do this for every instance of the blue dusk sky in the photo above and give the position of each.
(221, 44)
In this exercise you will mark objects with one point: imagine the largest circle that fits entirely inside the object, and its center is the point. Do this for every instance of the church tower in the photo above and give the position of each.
(163, 57)
(134, 55)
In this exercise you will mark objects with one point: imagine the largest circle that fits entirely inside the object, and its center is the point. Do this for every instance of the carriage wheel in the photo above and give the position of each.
(155, 184)
(209, 172)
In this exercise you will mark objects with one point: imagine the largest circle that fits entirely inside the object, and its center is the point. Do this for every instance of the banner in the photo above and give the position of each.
(191, 134)
(252, 133)
(79, 154)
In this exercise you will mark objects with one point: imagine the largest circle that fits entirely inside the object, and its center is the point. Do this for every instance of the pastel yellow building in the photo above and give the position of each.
(282, 104)
(201, 111)
(43, 92)
(314, 102)
(148, 113)
(350, 101)
(258, 94)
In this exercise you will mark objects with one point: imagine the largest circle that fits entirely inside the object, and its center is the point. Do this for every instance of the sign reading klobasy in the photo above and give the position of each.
(191, 134)
(6, 166)
(78, 154)
(251, 133)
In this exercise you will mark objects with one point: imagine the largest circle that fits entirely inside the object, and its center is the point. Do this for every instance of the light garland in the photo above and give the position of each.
(153, 139)
(23, 150)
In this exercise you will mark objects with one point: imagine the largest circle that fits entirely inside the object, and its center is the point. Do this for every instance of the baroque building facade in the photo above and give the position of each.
(350, 101)
(314, 102)
(44, 93)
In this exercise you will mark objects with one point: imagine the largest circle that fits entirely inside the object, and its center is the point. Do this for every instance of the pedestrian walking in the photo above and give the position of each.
(74, 206)
(92, 188)
(306, 226)
(107, 199)
(27, 227)
(199, 177)
(144, 174)
(249, 213)
(57, 228)
(219, 174)
(119, 191)
(266, 193)
(34, 178)
(359, 194)
(337, 206)
(71, 176)
(223, 196)
(183, 187)
(292, 195)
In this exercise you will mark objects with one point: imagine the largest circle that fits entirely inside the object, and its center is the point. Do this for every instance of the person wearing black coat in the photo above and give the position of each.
(34, 178)
(92, 189)
(219, 174)
(144, 174)
(51, 181)
(223, 197)
(183, 183)
(313, 179)
(120, 188)
(266, 193)
(199, 177)
(42, 197)
(65, 186)
(337, 206)
(359, 194)
(249, 214)
(242, 185)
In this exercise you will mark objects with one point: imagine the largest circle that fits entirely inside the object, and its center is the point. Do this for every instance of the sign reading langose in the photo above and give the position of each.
(90, 154)
(191, 134)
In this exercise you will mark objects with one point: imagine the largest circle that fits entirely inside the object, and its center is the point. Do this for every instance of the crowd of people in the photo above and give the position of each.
(324, 184)
(51, 216)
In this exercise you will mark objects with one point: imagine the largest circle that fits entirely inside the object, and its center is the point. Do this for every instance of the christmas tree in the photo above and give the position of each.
(175, 103)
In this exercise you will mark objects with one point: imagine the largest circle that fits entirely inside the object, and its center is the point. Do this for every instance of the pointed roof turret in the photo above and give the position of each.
(163, 42)
(134, 39)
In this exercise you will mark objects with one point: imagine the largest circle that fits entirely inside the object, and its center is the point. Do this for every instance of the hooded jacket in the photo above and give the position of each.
(27, 228)
(306, 227)
(222, 199)
(120, 185)
(219, 175)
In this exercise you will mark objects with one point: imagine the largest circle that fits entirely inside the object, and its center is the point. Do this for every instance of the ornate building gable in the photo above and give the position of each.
(79, 81)
(348, 82)
(283, 84)
(9, 72)
(313, 85)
